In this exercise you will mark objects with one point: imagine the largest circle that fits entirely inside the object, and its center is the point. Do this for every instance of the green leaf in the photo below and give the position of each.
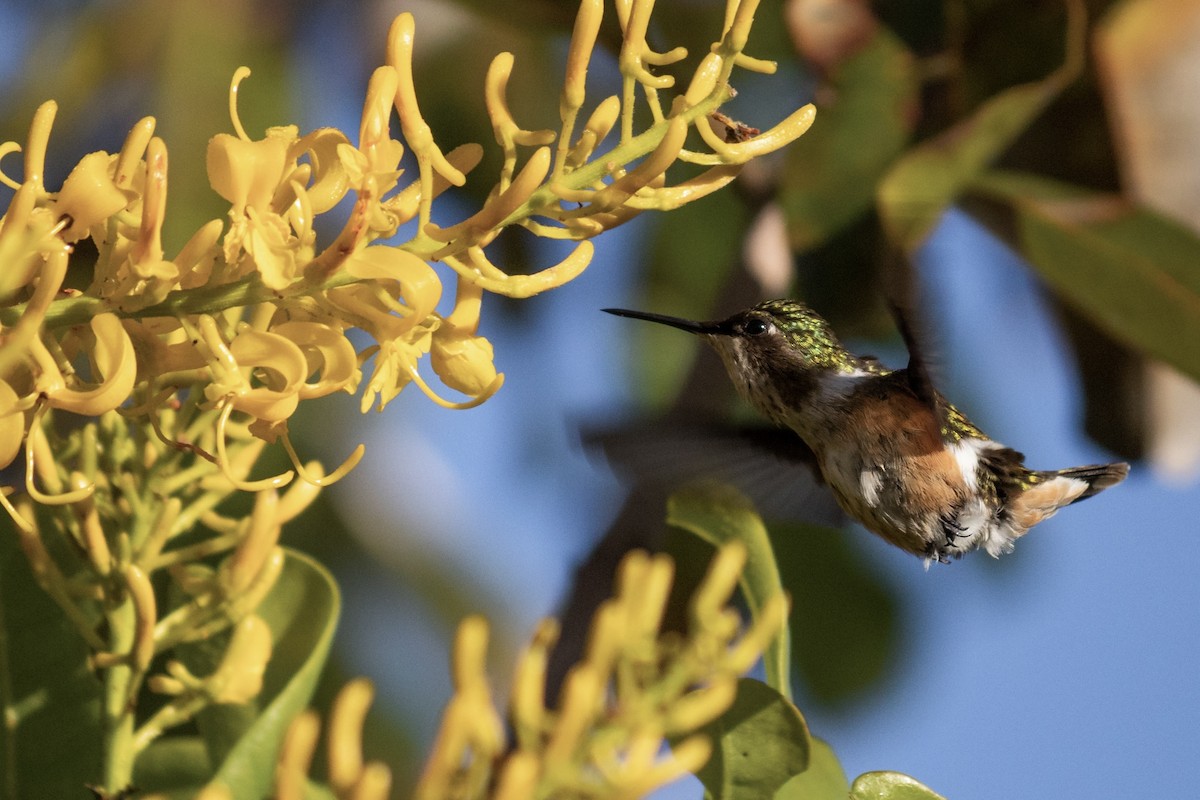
(718, 514)
(50, 739)
(823, 780)
(302, 611)
(890, 786)
(1131, 271)
(845, 626)
(928, 179)
(759, 744)
(830, 175)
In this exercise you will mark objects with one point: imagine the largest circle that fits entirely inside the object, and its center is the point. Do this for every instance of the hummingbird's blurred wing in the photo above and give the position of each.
(771, 466)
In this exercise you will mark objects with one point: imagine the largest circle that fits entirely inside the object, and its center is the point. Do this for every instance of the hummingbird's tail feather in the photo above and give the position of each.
(1098, 477)
(1045, 492)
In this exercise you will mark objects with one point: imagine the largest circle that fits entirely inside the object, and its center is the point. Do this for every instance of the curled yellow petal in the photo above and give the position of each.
(493, 279)
(228, 469)
(281, 366)
(244, 172)
(787, 131)
(419, 284)
(115, 362)
(328, 353)
(88, 196)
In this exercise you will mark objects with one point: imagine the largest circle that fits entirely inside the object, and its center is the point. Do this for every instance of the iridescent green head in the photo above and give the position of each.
(781, 331)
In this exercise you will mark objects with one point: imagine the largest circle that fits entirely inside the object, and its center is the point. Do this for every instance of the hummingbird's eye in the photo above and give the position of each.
(755, 327)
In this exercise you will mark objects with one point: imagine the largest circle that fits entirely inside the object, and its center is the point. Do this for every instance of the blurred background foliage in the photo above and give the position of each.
(1076, 147)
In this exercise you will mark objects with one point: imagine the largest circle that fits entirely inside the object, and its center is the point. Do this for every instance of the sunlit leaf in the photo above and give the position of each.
(928, 179)
(1132, 271)
(890, 786)
(759, 744)
(718, 514)
(823, 780)
(830, 175)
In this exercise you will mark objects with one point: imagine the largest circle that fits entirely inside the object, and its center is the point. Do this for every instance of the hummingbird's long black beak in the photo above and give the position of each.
(675, 322)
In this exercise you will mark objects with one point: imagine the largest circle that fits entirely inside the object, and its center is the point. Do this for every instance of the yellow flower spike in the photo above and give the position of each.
(528, 701)
(35, 149)
(88, 196)
(463, 362)
(295, 756)
(146, 616)
(256, 547)
(227, 469)
(793, 127)
(771, 619)
(345, 734)
(699, 707)
(129, 159)
(12, 424)
(239, 678)
(723, 575)
(416, 131)
(115, 360)
(485, 223)
(518, 777)
(582, 695)
(94, 542)
(598, 126)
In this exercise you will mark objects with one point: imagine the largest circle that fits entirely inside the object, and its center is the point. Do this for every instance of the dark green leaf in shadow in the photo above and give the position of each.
(718, 513)
(830, 175)
(890, 786)
(845, 622)
(302, 611)
(50, 739)
(928, 179)
(759, 744)
(1130, 270)
(175, 764)
(823, 780)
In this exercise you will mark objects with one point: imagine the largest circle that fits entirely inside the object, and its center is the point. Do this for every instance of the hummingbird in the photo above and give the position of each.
(899, 458)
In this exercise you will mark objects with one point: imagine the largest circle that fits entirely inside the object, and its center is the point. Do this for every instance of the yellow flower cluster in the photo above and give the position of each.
(636, 690)
(142, 401)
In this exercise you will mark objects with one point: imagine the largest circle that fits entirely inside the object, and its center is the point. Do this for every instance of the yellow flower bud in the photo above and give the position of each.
(240, 676)
(89, 196)
(464, 363)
